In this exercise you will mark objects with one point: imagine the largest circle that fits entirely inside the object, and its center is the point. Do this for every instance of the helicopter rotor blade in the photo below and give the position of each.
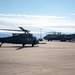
(9, 30)
(24, 29)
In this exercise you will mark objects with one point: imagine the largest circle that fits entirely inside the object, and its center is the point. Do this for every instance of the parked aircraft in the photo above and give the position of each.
(60, 37)
(19, 38)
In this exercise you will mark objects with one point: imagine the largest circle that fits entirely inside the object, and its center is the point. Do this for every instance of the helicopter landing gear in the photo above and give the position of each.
(1, 44)
(32, 44)
(23, 45)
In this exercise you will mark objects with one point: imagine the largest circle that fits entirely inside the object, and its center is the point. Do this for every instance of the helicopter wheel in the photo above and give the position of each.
(1, 44)
(23, 45)
(48, 40)
(32, 45)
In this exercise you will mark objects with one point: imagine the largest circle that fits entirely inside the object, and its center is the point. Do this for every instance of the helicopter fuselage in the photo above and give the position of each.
(20, 39)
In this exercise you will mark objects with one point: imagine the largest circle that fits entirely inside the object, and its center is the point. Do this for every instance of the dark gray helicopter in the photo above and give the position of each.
(20, 38)
(60, 37)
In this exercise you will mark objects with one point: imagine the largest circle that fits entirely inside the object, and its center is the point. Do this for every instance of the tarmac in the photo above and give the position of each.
(52, 58)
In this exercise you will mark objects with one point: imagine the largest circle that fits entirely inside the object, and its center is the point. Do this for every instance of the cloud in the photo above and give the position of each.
(31, 16)
(62, 29)
(35, 22)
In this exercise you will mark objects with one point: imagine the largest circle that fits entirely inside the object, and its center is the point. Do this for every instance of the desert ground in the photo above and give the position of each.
(52, 58)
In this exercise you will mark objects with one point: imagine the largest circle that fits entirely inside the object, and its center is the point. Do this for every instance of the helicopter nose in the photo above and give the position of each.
(37, 42)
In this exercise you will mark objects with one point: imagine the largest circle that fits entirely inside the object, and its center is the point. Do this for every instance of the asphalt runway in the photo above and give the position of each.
(53, 58)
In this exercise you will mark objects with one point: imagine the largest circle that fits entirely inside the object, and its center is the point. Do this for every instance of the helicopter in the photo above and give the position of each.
(60, 37)
(19, 38)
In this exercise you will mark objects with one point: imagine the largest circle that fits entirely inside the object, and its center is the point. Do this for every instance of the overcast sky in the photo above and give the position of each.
(48, 15)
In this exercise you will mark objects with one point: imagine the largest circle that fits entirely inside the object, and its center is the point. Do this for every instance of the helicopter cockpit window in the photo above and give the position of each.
(14, 34)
